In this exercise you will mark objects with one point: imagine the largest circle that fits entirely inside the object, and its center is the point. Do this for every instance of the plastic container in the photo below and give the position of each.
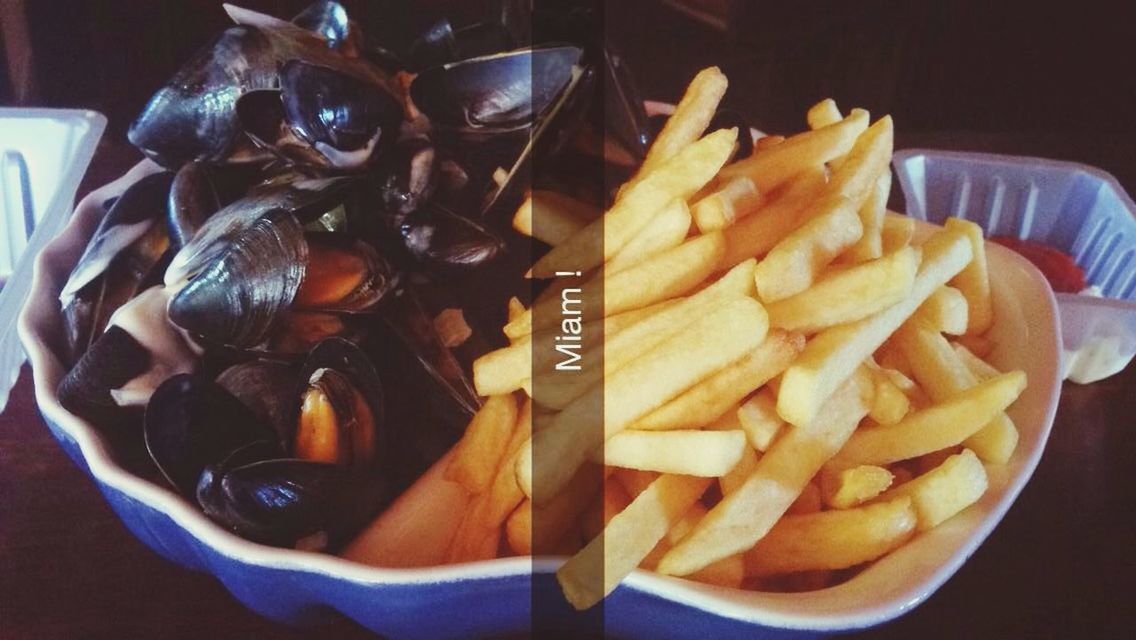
(1078, 209)
(43, 156)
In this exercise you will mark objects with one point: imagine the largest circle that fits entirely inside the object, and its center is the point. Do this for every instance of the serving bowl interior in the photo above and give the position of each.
(496, 595)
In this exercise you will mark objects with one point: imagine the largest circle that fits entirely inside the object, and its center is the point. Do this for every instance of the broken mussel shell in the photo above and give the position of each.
(274, 267)
(192, 422)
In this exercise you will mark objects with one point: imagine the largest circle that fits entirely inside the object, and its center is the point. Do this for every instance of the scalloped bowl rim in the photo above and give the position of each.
(901, 580)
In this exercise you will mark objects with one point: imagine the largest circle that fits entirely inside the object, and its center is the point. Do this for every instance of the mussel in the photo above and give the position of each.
(121, 257)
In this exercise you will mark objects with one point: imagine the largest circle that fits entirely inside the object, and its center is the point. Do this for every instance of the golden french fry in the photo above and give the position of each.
(707, 454)
(745, 466)
(774, 166)
(547, 523)
(868, 158)
(727, 572)
(765, 142)
(891, 404)
(754, 235)
(628, 345)
(939, 426)
(733, 200)
(941, 493)
(516, 308)
(795, 263)
(981, 369)
(833, 539)
(943, 374)
(666, 231)
(808, 502)
(744, 516)
(758, 417)
(946, 311)
(832, 355)
(518, 529)
(974, 281)
(473, 540)
(676, 178)
(896, 232)
(504, 493)
(823, 114)
(716, 339)
(691, 116)
(727, 387)
(559, 217)
(848, 295)
(612, 500)
(851, 487)
(666, 275)
(870, 245)
(482, 446)
(594, 572)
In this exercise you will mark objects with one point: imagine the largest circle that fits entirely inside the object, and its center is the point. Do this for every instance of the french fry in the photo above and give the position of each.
(745, 466)
(546, 523)
(851, 487)
(774, 166)
(756, 234)
(715, 340)
(727, 387)
(744, 516)
(662, 276)
(896, 232)
(474, 540)
(518, 529)
(634, 481)
(504, 493)
(981, 346)
(482, 446)
(858, 173)
(629, 345)
(795, 263)
(508, 369)
(943, 492)
(516, 308)
(808, 502)
(848, 295)
(946, 311)
(735, 199)
(676, 178)
(666, 231)
(832, 355)
(595, 572)
(759, 419)
(727, 572)
(823, 114)
(560, 217)
(765, 142)
(833, 539)
(981, 369)
(891, 403)
(671, 451)
(612, 500)
(942, 425)
(943, 374)
(974, 281)
(870, 245)
(691, 116)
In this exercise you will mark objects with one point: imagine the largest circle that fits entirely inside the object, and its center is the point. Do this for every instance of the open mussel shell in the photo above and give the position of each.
(113, 360)
(289, 502)
(341, 416)
(238, 297)
(498, 93)
(327, 19)
(624, 113)
(193, 116)
(124, 250)
(305, 197)
(441, 238)
(409, 177)
(267, 388)
(192, 422)
(346, 119)
(192, 199)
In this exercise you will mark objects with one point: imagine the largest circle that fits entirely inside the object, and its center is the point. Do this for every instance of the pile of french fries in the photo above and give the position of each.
(791, 386)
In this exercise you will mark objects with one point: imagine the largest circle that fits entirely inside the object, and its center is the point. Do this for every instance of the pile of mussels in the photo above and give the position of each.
(260, 313)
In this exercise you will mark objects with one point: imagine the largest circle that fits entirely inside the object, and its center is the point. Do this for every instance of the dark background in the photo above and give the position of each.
(1044, 79)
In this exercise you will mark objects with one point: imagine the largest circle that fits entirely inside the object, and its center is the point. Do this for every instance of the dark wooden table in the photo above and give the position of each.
(1062, 564)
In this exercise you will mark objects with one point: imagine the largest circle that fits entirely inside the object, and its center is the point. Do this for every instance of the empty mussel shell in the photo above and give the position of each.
(267, 388)
(192, 422)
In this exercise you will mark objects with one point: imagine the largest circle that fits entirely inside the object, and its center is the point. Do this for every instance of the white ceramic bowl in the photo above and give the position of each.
(495, 596)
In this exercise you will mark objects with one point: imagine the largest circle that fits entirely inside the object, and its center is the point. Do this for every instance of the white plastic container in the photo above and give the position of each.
(43, 156)
(1078, 209)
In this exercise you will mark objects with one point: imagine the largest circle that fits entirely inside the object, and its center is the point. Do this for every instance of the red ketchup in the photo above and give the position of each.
(1058, 268)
